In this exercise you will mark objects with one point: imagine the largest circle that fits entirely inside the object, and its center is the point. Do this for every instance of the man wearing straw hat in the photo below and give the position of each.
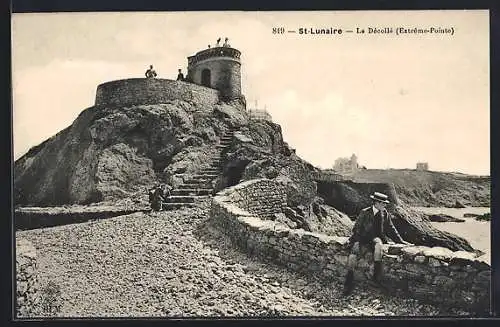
(372, 228)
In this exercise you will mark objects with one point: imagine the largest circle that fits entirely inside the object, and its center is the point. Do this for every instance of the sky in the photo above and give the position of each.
(392, 100)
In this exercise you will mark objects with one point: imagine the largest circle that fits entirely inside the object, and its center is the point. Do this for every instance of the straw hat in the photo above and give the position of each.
(381, 197)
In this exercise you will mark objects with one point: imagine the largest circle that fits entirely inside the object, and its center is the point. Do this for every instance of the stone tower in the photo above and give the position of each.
(354, 162)
(218, 68)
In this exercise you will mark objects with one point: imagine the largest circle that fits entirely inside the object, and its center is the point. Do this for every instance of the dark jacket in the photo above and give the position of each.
(369, 226)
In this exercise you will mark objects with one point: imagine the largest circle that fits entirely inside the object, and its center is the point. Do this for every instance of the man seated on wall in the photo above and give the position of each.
(372, 228)
(150, 73)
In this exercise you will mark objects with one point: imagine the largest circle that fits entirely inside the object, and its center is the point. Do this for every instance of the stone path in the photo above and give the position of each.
(175, 264)
(200, 186)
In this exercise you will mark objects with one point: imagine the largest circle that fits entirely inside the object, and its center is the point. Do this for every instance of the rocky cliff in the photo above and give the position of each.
(430, 188)
(113, 155)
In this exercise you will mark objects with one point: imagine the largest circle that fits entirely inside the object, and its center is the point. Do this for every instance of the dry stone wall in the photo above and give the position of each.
(260, 197)
(27, 292)
(139, 91)
(433, 275)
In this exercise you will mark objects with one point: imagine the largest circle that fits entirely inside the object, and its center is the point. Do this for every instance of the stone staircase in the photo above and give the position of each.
(199, 186)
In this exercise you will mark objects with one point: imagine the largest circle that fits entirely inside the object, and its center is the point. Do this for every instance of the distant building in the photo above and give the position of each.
(328, 175)
(346, 165)
(259, 114)
(422, 166)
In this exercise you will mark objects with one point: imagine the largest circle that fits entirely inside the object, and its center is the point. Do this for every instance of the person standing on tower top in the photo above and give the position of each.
(180, 76)
(218, 43)
(150, 73)
(226, 43)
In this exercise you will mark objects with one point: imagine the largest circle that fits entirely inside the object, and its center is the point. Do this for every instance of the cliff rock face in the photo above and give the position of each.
(108, 154)
(350, 197)
(430, 188)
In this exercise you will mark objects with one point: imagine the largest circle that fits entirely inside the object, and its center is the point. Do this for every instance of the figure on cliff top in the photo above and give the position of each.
(226, 43)
(180, 76)
(373, 227)
(150, 73)
(218, 43)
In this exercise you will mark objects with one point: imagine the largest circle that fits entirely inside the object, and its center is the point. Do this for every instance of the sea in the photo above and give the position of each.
(478, 233)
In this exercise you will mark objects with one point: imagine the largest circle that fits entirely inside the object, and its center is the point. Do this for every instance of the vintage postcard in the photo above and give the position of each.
(251, 164)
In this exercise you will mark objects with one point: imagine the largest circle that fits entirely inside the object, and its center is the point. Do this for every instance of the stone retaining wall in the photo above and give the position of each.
(27, 292)
(137, 91)
(433, 275)
(260, 197)
(41, 217)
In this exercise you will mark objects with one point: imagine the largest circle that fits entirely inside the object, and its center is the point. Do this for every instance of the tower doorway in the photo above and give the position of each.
(205, 77)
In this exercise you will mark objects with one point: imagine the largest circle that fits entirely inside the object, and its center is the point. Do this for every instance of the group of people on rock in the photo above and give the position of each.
(158, 196)
(151, 73)
(226, 43)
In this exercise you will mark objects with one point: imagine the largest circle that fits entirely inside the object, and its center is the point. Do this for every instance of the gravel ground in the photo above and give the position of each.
(175, 264)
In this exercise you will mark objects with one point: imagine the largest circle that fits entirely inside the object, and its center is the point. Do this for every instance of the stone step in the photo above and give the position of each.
(204, 176)
(175, 206)
(193, 191)
(212, 171)
(180, 199)
(196, 185)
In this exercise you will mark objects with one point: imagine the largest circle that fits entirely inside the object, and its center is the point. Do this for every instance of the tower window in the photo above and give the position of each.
(205, 77)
